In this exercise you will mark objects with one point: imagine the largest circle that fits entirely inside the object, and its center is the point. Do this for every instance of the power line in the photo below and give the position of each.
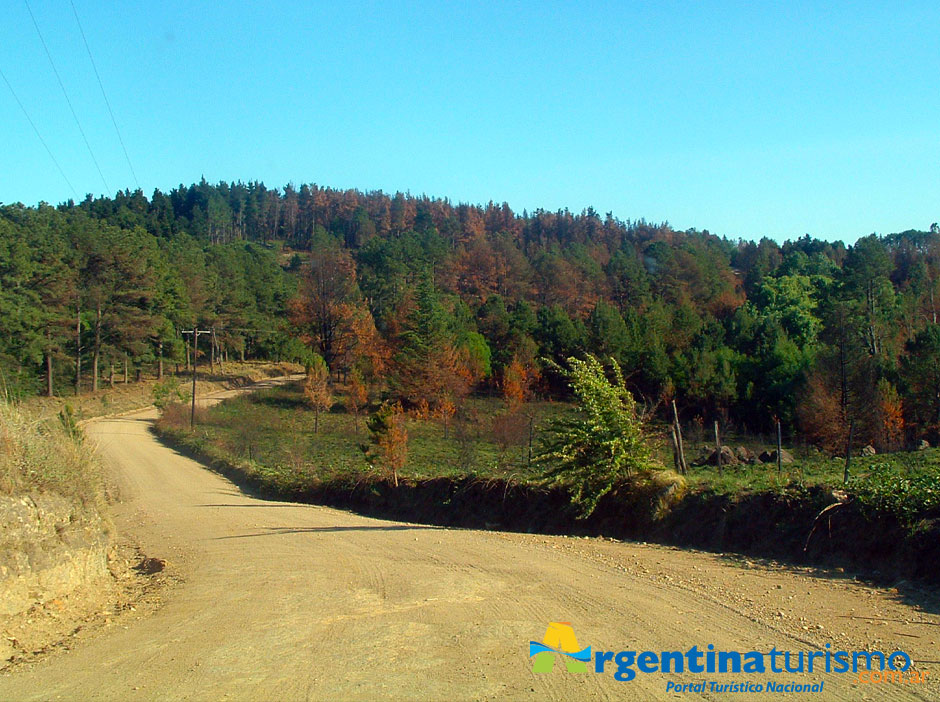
(65, 93)
(243, 329)
(35, 129)
(104, 95)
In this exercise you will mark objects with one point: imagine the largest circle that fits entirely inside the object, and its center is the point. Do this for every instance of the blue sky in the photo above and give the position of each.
(746, 119)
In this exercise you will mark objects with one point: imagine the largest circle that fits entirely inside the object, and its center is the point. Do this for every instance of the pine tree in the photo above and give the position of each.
(388, 440)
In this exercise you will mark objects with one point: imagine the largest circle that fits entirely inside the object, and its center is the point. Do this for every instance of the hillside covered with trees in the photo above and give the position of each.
(433, 301)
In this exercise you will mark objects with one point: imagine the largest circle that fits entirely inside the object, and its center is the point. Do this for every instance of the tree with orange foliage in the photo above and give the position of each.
(446, 409)
(514, 426)
(388, 441)
(358, 397)
(890, 417)
(328, 300)
(317, 390)
(431, 367)
(359, 345)
(517, 383)
(822, 416)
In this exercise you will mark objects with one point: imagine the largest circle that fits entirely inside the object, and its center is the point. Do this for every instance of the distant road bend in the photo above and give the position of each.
(283, 601)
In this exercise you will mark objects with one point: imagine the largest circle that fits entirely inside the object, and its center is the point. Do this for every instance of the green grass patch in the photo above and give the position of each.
(270, 436)
(273, 428)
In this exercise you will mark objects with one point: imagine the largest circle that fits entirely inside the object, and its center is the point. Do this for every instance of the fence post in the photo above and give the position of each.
(675, 448)
(717, 447)
(683, 467)
(779, 449)
(848, 452)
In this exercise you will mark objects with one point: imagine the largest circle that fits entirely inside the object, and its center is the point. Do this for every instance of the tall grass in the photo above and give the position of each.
(177, 415)
(46, 455)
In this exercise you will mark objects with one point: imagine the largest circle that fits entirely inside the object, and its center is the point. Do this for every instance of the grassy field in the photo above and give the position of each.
(272, 434)
(274, 428)
(810, 468)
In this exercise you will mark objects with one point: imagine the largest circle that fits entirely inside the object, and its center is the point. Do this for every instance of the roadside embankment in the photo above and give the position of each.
(781, 524)
(54, 530)
(49, 547)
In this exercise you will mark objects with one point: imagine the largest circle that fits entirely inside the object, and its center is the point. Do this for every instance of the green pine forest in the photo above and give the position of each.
(429, 301)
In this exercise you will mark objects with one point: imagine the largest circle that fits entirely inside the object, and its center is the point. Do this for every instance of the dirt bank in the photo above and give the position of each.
(763, 525)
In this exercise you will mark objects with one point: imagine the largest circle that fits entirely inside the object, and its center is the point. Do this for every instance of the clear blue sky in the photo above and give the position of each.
(746, 119)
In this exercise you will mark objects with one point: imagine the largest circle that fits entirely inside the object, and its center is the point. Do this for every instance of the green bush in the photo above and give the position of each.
(602, 442)
(169, 391)
(909, 497)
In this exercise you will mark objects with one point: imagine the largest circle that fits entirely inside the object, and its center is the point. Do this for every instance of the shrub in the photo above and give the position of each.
(388, 440)
(317, 389)
(909, 498)
(168, 391)
(602, 443)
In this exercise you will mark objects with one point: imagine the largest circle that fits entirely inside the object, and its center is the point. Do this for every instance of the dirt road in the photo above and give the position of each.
(283, 601)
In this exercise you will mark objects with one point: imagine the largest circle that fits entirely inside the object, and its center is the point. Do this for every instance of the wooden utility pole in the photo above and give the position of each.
(96, 350)
(78, 350)
(49, 388)
(219, 351)
(195, 332)
(675, 448)
(531, 436)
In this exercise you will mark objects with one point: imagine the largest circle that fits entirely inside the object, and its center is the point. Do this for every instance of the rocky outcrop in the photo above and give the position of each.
(728, 457)
(49, 547)
(770, 456)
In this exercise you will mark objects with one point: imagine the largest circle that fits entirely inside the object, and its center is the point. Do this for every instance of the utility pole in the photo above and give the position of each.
(195, 332)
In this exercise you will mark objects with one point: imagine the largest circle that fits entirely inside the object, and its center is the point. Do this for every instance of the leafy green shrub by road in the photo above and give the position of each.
(600, 444)
(910, 496)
